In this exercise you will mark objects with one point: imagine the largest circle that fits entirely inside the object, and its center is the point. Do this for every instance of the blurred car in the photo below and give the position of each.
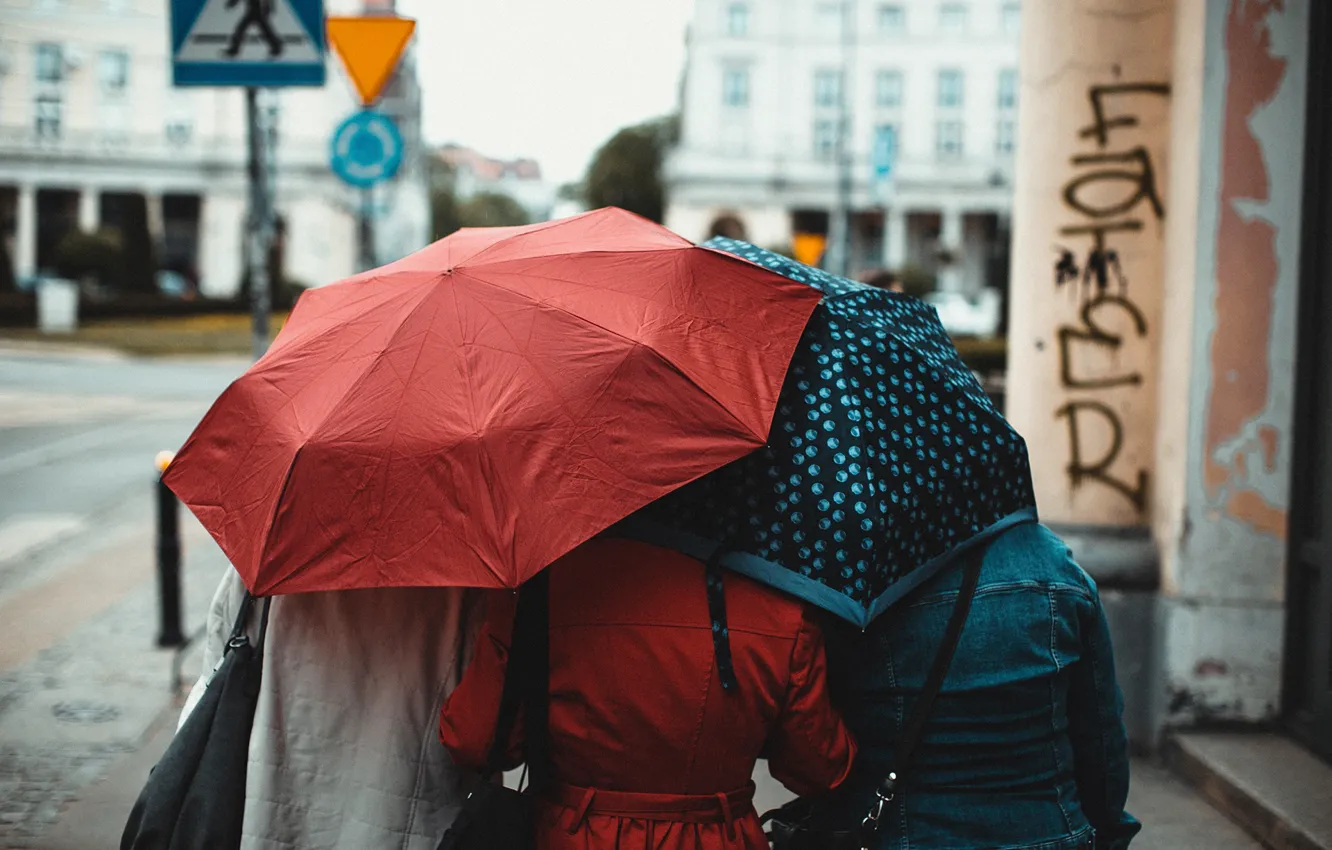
(966, 315)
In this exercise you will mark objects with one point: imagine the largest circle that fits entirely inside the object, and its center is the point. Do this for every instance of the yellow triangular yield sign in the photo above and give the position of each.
(370, 48)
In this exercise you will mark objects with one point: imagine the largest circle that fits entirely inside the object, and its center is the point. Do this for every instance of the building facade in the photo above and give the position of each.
(926, 89)
(93, 136)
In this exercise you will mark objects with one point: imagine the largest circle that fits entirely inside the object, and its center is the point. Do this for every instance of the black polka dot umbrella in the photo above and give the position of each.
(886, 460)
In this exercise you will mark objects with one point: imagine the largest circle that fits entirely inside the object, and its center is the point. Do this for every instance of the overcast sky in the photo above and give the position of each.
(548, 79)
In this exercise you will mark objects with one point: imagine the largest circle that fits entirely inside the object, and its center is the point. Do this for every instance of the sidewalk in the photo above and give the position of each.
(83, 686)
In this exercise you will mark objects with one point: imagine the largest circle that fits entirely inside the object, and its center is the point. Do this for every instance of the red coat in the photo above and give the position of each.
(648, 749)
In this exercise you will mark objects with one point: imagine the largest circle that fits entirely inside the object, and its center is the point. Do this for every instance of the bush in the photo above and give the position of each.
(917, 282)
(97, 255)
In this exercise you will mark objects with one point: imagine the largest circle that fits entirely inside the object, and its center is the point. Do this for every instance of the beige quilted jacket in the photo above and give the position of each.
(345, 752)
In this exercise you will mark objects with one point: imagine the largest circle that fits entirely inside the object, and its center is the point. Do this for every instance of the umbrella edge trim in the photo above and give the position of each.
(816, 593)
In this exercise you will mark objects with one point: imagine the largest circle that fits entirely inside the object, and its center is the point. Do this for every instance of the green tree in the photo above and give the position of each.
(491, 209)
(626, 171)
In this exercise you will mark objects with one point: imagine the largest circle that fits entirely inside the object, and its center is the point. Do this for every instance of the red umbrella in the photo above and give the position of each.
(469, 414)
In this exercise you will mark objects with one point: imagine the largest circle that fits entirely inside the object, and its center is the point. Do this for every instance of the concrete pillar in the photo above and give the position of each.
(1083, 333)
(895, 238)
(90, 213)
(1089, 217)
(156, 225)
(25, 232)
(1228, 332)
(951, 240)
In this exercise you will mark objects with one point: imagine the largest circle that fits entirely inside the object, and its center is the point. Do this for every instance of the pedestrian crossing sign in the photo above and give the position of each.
(264, 43)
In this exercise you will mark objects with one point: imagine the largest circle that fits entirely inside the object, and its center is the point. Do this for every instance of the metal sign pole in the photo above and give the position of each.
(367, 229)
(260, 224)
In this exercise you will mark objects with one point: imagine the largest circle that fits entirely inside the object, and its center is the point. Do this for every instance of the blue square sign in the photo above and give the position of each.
(263, 43)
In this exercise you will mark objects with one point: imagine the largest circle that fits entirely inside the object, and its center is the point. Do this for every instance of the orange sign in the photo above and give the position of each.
(370, 48)
(808, 247)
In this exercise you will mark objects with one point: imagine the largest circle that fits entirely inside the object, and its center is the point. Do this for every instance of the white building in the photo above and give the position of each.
(762, 104)
(90, 127)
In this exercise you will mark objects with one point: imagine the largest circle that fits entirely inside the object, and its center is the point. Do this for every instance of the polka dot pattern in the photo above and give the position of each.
(884, 456)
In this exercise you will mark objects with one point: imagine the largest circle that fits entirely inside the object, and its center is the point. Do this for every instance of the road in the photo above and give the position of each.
(77, 440)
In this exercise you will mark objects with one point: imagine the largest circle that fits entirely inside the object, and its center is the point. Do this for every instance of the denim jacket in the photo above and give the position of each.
(1025, 747)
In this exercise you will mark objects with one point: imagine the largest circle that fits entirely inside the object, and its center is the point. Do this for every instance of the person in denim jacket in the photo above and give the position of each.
(1025, 747)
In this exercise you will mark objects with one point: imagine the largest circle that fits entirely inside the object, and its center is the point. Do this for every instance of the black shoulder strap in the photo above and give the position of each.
(238, 635)
(526, 678)
(943, 659)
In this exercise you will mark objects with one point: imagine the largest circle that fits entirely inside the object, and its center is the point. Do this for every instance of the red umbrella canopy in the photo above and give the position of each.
(467, 415)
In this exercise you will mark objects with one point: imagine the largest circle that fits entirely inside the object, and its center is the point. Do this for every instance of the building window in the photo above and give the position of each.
(888, 89)
(884, 154)
(953, 18)
(737, 20)
(1005, 138)
(1008, 89)
(950, 88)
(827, 88)
(50, 63)
(113, 70)
(735, 87)
(825, 139)
(892, 20)
(47, 111)
(179, 131)
(948, 139)
(1012, 18)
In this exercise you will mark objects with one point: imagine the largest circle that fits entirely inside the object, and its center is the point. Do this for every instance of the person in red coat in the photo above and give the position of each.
(646, 746)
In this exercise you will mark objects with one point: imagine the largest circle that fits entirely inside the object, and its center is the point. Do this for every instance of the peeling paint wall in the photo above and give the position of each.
(1224, 552)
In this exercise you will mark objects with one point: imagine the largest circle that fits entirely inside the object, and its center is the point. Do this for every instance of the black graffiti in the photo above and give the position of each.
(1143, 181)
(1105, 211)
(1093, 333)
(1080, 472)
(1103, 124)
(1097, 269)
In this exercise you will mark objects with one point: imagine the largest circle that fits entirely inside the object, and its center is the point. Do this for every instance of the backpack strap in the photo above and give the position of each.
(914, 728)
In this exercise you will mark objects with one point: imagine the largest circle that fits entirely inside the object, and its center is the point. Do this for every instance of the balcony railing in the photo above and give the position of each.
(101, 146)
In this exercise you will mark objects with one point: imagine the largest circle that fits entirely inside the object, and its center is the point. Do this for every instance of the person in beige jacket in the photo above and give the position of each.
(344, 753)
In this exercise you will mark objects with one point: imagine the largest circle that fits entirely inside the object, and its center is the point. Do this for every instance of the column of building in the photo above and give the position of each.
(25, 233)
(1228, 330)
(1087, 268)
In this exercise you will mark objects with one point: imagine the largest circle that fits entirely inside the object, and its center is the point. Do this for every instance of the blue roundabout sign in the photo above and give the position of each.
(366, 149)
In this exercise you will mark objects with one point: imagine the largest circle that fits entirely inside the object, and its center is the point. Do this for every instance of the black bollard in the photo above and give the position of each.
(168, 560)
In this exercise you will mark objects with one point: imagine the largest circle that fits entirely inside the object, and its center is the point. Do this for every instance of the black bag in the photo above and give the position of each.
(195, 796)
(494, 816)
(792, 826)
